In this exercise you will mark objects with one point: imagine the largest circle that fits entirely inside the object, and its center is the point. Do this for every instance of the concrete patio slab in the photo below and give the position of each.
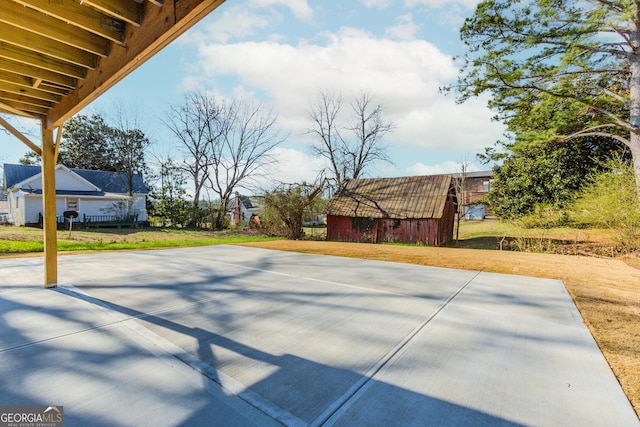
(229, 335)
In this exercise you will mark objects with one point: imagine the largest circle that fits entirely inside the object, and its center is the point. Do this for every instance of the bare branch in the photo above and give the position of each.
(349, 156)
(592, 131)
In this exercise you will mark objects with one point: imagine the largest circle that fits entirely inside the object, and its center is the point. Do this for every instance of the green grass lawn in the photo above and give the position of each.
(495, 228)
(488, 234)
(17, 240)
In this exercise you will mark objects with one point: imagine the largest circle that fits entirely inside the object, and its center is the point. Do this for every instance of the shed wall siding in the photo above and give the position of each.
(433, 232)
(341, 228)
(408, 230)
(445, 229)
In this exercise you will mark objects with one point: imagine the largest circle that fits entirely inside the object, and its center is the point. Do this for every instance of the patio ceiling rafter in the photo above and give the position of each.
(70, 52)
(57, 56)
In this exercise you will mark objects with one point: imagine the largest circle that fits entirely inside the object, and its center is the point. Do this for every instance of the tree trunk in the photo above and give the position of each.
(634, 101)
(295, 229)
(222, 211)
(634, 146)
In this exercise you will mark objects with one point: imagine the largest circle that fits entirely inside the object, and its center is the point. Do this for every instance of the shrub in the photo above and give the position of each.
(548, 174)
(610, 201)
(545, 215)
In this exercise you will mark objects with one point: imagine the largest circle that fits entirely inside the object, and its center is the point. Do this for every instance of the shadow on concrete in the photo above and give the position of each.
(210, 320)
(299, 391)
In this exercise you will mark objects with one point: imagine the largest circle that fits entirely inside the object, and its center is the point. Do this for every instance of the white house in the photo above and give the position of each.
(241, 209)
(4, 208)
(87, 192)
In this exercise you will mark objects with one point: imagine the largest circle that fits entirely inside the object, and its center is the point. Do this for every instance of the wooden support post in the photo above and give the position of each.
(49, 220)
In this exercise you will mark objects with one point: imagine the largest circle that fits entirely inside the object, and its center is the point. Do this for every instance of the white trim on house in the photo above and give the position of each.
(25, 198)
(110, 196)
(37, 178)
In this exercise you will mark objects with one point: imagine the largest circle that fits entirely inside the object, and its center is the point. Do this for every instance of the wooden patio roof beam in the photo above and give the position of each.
(84, 17)
(47, 26)
(159, 27)
(124, 10)
(37, 73)
(46, 46)
(39, 60)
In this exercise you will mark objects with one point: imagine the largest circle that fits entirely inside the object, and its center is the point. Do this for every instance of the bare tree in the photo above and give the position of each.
(129, 144)
(459, 181)
(246, 136)
(194, 124)
(324, 115)
(368, 128)
(352, 148)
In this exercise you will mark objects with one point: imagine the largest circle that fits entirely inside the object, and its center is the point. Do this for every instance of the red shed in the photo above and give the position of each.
(408, 209)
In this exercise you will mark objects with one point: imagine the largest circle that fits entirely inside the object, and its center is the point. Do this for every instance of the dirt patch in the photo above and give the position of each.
(592, 242)
(606, 291)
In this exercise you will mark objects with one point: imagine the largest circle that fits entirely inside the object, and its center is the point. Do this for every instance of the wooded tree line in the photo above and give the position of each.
(225, 147)
(564, 76)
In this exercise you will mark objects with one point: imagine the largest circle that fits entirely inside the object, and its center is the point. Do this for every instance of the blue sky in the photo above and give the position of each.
(284, 52)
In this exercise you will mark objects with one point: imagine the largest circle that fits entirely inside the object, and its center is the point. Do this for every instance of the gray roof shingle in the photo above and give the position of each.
(14, 174)
(109, 182)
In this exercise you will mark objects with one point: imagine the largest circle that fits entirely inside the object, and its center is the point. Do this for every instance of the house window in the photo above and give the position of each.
(486, 186)
(72, 205)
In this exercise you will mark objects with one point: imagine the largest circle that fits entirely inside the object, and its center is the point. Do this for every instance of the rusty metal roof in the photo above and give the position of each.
(411, 197)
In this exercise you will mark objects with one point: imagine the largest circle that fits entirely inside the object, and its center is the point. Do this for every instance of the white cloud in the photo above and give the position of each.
(377, 4)
(244, 21)
(441, 124)
(453, 17)
(399, 72)
(384, 169)
(383, 4)
(402, 75)
(233, 23)
(405, 29)
(300, 8)
(445, 167)
(291, 165)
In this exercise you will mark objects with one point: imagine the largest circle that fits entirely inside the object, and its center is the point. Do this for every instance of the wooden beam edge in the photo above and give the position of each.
(142, 43)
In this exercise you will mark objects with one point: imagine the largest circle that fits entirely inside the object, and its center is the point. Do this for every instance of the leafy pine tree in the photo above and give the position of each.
(558, 69)
(87, 144)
